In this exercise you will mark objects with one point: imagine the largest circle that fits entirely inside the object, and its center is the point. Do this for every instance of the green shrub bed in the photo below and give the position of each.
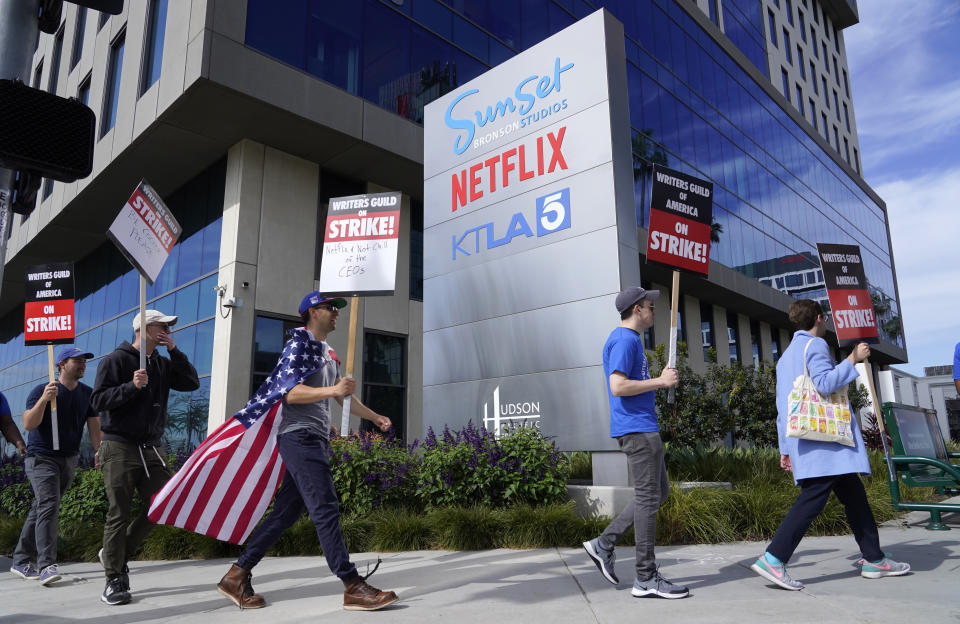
(468, 491)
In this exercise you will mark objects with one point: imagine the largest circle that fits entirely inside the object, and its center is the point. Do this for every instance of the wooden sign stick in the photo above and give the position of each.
(55, 428)
(351, 348)
(674, 311)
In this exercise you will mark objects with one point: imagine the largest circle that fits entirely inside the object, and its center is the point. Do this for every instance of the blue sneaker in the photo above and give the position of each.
(776, 574)
(49, 574)
(605, 559)
(25, 571)
(884, 567)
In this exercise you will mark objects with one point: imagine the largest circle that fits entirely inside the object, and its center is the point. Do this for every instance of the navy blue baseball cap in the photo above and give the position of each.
(314, 299)
(72, 352)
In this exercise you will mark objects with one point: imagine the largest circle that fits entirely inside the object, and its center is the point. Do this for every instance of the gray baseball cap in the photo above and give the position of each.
(628, 297)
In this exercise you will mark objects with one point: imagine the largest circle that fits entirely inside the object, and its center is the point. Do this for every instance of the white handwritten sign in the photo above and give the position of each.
(360, 244)
(145, 231)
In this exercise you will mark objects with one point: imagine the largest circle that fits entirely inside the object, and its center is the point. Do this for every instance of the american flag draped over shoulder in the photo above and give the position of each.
(227, 483)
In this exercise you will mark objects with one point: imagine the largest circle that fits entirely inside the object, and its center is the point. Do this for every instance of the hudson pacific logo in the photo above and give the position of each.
(552, 215)
(522, 413)
(522, 103)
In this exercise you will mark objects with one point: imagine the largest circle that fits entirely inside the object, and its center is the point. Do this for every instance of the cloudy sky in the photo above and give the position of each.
(904, 62)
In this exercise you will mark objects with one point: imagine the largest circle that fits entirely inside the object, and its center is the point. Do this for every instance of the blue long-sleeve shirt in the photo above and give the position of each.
(811, 458)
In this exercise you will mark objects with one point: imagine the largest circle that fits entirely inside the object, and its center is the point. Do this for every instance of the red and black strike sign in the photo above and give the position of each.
(681, 211)
(48, 311)
(853, 315)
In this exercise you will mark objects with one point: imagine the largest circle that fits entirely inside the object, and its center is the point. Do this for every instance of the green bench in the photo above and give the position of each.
(920, 459)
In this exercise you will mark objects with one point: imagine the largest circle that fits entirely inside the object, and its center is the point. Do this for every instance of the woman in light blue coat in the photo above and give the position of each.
(821, 467)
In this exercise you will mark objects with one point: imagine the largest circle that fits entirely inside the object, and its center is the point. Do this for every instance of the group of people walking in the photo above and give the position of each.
(819, 468)
(125, 414)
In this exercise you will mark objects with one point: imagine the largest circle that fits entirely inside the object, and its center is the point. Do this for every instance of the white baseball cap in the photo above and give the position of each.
(154, 316)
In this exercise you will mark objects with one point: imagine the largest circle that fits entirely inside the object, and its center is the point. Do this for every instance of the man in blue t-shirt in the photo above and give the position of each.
(633, 422)
(956, 367)
(51, 461)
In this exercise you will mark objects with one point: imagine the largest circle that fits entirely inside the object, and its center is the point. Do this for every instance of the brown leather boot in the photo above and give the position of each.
(236, 586)
(359, 596)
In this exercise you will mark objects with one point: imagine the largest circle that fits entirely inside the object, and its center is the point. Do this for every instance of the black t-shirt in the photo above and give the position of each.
(73, 410)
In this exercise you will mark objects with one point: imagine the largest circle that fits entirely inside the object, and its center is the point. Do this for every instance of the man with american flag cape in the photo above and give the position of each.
(226, 485)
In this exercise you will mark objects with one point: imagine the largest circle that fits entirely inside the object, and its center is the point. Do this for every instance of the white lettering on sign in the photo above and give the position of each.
(153, 220)
(49, 324)
(852, 300)
(847, 280)
(683, 185)
(680, 247)
(366, 226)
(848, 319)
(684, 208)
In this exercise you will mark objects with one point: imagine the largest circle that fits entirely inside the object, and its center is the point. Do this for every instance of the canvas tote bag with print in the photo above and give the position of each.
(813, 416)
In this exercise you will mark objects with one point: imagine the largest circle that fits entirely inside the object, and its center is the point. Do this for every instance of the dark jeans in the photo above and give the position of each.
(814, 493)
(49, 477)
(651, 487)
(128, 468)
(307, 484)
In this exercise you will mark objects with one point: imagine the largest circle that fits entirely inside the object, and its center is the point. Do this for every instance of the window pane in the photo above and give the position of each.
(112, 89)
(154, 44)
(185, 303)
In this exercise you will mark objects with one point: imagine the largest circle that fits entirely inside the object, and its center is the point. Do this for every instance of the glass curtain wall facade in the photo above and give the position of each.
(107, 297)
(692, 106)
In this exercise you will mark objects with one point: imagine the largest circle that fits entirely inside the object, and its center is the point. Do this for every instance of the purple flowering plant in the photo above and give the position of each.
(372, 470)
(473, 467)
(16, 495)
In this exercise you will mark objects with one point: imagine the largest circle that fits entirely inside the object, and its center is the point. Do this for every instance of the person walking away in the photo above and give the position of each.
(821, 467)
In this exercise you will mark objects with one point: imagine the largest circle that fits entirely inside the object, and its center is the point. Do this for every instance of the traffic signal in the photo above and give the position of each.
(45, 134)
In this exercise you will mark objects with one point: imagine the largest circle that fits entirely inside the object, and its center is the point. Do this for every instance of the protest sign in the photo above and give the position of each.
(48, 309)
(145, 231)
(360, 245)
(850, 303)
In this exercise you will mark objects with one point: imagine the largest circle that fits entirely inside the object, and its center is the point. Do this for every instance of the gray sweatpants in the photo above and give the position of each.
(651, 487)
(49, 477)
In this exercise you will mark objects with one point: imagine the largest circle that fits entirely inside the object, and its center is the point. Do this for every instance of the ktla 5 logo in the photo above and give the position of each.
(552, 215)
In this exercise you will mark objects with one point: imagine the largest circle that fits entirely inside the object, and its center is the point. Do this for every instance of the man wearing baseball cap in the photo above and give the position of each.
(51, 461)
(304, 446)
(132, 402)
(633, 422)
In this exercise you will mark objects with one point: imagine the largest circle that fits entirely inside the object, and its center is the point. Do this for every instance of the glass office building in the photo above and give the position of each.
(248, 119)
(693, 106)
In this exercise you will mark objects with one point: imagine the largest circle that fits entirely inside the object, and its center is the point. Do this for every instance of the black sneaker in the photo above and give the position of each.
(115, 593)
(124, 571)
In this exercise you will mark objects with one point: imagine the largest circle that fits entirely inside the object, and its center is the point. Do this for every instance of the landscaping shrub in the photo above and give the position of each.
(539, 527)
(371, 471)
(16, 495)
(472, 467)
(581, 465)
(399, 529)
(465, 528)
(86, 500)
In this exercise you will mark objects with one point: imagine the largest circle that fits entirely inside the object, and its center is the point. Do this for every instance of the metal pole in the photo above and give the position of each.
(18, 40)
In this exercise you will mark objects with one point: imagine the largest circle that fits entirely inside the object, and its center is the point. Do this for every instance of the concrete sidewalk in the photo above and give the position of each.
(548, 585)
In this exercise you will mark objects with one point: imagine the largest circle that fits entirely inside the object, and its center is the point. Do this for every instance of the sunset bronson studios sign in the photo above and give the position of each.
(530, 232)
